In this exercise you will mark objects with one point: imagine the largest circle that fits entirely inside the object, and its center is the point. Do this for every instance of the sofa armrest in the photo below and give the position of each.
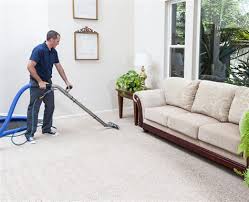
(148, 98)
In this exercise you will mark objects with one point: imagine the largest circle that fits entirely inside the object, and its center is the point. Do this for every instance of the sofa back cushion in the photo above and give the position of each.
(239, 105)
(180, 92)
(214, 99)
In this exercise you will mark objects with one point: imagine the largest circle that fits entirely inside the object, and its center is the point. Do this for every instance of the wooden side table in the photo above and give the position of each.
(129, 95)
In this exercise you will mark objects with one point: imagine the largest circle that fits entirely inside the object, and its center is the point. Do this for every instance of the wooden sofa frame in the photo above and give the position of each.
(185, 144)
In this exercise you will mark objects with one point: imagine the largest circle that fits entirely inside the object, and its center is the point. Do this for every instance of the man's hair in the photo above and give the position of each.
(52, 35)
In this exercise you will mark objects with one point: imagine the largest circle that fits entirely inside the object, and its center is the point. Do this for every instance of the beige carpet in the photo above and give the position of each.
(87, 163)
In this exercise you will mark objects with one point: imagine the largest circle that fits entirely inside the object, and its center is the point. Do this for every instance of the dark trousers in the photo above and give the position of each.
(34, 107)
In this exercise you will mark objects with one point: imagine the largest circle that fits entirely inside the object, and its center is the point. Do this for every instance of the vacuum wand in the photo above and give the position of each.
(67, 94)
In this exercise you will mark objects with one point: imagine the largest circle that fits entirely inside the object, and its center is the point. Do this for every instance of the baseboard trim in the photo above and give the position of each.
(130, 109)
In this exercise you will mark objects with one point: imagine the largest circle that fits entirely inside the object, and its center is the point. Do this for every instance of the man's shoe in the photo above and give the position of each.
(31, 140)
(51, 133)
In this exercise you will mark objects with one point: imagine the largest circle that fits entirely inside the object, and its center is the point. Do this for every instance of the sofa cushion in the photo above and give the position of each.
(189, 123)
(180, 92)
(155, 114)
(214, 99)
(222, 135)
(160, 114)
(239, 105)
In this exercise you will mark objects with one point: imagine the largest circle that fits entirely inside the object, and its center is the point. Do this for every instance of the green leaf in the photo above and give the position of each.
(130, 81)
(246, 177)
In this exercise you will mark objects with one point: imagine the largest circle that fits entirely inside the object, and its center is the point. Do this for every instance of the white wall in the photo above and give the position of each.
(24, 24)
(94, 81)
(149, 24)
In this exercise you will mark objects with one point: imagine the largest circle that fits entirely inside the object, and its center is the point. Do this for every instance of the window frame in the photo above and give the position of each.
(192, 28)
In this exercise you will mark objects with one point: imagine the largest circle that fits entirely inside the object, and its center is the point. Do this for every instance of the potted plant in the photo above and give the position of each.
(131, 81)
(244, 144)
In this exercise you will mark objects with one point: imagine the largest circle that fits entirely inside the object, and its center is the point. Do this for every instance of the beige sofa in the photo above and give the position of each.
(202, 116)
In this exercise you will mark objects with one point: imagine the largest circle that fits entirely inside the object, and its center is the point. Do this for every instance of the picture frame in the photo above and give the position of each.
(86, 44)
(85, 9)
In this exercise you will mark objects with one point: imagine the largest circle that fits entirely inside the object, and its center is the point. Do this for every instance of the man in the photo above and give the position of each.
(40, 66)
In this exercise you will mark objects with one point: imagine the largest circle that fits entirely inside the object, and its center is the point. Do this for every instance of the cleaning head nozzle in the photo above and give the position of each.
(112, 125)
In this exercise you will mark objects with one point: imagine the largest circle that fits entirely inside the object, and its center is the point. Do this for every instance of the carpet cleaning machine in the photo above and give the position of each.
(11, 126)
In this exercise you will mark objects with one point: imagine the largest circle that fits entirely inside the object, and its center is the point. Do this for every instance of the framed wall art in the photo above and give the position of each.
(86, 44)
(85, 9)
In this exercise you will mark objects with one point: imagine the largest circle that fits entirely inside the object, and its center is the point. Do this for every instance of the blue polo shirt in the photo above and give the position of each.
(45, 60)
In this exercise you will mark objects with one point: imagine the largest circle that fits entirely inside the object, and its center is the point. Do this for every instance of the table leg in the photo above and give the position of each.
(135, 113)
(120, 106)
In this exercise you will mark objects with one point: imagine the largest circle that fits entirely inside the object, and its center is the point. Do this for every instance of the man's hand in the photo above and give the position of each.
(42, 85)
(69, 85)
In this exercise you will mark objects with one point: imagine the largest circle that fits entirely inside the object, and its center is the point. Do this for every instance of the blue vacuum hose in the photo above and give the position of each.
(9, 117)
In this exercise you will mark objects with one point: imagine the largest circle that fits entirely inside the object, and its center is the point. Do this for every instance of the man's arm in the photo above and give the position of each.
(33, 73)
(63, 74)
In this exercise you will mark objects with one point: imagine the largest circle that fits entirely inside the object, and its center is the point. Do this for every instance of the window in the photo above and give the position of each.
(224, 41)
(176, 38)
(178, 24)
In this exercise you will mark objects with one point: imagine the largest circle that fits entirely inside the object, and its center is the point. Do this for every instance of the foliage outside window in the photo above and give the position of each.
(178, 23)
(224, 41)
(177, 38)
